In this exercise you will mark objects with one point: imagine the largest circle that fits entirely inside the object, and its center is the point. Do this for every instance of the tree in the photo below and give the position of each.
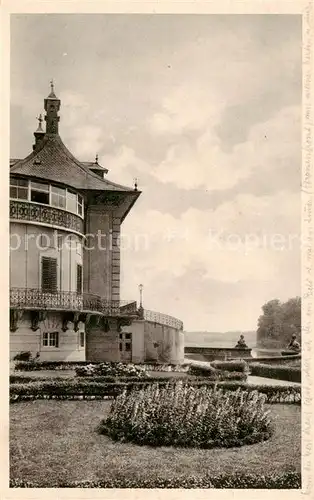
(278, 322)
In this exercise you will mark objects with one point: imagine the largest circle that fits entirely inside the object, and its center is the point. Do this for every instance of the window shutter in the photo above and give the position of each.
(57, 339)
(49, 274)
(79, 278)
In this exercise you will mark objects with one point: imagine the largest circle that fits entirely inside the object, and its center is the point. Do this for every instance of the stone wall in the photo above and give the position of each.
(163, 344)
(103, 345)
(212, 353)
(275, 360)
(155, 342)
(25, 339)
(98, 254)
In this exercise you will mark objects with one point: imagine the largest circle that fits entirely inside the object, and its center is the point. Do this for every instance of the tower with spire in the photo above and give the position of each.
(39, 133)
(52, 107)
(58, 292)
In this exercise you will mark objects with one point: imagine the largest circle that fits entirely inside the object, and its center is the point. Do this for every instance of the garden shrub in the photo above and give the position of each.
(27, 366)
(23, 356)
(164, 367)
(111, 369)
(203, 371)
(178, 415)
(290, 373)
(230, 366)
(285, 480)
(210, 373)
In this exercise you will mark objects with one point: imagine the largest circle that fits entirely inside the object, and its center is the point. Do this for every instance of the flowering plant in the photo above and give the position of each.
(111, 369)
(182, 415)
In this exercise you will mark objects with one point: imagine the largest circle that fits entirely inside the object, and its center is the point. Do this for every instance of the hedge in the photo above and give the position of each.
(24, 379)
(285, 480)
(83, 389)
(34, 365)
(230, 366)
(290, 373)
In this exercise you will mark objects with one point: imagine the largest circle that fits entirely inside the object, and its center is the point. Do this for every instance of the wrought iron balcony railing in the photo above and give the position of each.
(45, 214)
(162, 319)
(34, 298)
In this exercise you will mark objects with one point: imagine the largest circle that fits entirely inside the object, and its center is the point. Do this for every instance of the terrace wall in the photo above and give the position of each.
(212, 353)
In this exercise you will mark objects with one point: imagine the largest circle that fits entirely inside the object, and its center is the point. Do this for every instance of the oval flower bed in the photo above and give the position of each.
(181, 415)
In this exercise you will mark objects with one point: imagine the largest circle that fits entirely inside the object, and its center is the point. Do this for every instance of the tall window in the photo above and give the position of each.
(79, 274)
(82, 339)
(125, 343)
(51, 339)
(19, 188)
(79, 205)
(40, 192)
(49, 274)
(58, 197)
(71, 201)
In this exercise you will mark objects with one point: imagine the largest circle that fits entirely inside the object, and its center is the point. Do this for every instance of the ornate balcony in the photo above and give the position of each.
(163, 319)
(36, 299)
(45, 214)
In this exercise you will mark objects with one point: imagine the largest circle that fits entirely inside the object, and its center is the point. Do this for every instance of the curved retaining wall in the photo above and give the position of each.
(163, 343)
(275, 360)
(157, 340)
(213, 353)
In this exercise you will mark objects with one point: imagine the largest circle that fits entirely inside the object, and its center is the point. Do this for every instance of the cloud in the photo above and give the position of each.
(211, 281)
(231, 243)
(200, 161)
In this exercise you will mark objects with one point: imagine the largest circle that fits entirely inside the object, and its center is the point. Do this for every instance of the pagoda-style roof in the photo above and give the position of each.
(52, 161)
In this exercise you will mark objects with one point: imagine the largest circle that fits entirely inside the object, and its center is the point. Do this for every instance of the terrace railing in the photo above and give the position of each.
(52, 216)
(163, 319)
(34, 298)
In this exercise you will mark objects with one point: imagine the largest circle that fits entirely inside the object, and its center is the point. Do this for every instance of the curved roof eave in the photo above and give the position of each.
(52, 161)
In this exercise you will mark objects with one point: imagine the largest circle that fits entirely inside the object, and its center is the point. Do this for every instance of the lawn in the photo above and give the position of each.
(54, 441)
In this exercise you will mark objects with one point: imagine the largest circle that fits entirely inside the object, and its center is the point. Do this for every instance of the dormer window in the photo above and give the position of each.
(40, 192)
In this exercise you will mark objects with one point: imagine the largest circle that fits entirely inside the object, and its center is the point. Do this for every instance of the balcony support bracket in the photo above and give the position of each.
(34, 320)
(106, 325)
(15, 316)
(76, 320)
(65, 320)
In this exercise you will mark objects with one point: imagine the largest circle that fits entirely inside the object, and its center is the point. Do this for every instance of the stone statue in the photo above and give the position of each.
(241, 344)
(293, 344)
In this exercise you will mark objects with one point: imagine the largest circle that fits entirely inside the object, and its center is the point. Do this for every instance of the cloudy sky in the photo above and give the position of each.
(205, 111)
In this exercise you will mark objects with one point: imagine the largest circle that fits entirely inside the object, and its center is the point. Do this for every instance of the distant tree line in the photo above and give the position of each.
(279, 321)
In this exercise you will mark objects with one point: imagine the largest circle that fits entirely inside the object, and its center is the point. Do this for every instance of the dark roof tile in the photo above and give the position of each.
(52, 161)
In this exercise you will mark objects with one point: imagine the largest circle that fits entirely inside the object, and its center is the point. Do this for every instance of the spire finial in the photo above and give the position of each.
(96, 158)
(135, 184)
(52, 90)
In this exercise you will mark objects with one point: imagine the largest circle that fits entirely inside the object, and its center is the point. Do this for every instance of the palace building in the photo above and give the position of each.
(65, 219)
